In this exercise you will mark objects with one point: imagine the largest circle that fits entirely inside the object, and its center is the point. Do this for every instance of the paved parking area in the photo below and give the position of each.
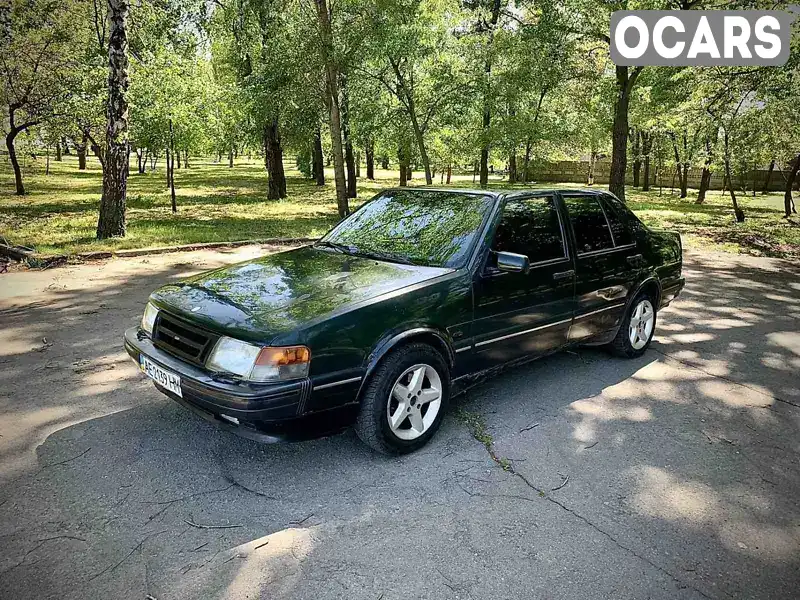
(676, 475)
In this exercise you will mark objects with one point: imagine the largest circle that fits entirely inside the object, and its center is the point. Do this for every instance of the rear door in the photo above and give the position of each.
(522, 314)
(606, 263)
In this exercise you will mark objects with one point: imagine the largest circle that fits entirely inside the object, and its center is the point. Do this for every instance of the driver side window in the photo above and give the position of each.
(529, 226)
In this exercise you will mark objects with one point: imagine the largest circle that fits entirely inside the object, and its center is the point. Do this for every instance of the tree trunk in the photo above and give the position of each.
(619, 135)
(705, 182)
(385, 162)
(402, 159)
(115, 172)
(788, 201)
(637, 159)
(230, 158)
(769, 176)
(512, 167)
(738, 212)
(527, 160)
(98, 152)
(80, 150)
(273, 156)
(350, 165)
(358, 165)
(12, 154)
(487, 107)
(484, 161)
(332, 92)
(58, 151)
(65, 145)
(349, 158)
(171, 166)
(647, 142)
(186, 159)
(370, 155)
(592, 161)
(685, 181)
(678, 163)
(449, 172)
(317, 163)
(179, 157)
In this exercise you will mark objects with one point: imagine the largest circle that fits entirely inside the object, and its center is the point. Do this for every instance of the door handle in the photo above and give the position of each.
(563, 275)
(636, 260)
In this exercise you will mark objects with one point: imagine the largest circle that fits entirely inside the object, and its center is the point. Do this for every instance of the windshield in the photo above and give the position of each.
(436, 229)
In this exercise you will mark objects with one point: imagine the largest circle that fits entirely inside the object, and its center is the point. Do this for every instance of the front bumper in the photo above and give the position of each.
(257, 411)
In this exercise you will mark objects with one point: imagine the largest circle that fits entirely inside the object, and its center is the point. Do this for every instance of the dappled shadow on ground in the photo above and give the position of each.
(672, 475)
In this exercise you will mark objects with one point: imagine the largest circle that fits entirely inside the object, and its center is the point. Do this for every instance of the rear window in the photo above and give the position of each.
(592, 232)
(621, 219)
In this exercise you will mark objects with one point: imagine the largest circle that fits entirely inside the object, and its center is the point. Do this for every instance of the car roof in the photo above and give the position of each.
(517, 193)
(497, 193)
(471, 192)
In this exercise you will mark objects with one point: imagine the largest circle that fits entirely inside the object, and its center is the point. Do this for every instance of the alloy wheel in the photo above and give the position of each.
(641, 324)
(414, 402)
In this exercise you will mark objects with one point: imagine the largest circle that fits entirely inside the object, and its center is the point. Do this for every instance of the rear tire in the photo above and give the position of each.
(405, 399)
(637, 328)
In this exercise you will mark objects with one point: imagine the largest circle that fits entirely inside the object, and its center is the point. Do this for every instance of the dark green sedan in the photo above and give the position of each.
(414, 295)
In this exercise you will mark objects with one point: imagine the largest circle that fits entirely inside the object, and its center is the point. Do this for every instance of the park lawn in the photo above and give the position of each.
(220, 204)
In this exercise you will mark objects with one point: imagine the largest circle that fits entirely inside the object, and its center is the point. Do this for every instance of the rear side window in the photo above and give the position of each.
(620, 219)
(530, 226)
(589, 223)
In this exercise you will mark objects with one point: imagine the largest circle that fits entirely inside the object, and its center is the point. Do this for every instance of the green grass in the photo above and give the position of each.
(219, 204)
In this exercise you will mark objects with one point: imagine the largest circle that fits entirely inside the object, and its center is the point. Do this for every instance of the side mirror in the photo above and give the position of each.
(513, 263)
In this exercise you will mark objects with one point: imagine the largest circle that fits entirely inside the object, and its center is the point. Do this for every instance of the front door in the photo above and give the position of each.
(605, 265)
(524, 314)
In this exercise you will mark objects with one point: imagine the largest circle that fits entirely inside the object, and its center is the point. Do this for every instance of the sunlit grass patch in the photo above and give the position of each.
(220, 204)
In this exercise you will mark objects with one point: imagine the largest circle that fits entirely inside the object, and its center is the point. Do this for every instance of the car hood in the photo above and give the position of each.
(261, 298)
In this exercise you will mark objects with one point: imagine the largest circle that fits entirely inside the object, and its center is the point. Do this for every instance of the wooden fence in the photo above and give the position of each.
(573, 171)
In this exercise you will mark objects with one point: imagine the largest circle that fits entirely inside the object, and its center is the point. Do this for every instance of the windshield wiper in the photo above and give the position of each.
(336, 246)
(355, 251)
(387, 256)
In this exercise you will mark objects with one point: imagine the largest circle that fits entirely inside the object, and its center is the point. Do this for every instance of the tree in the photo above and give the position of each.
(332, 102)
(111, 222)
(36, 71)
(418, 62)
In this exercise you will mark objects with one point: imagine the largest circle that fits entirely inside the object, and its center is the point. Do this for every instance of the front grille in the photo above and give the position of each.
(182, 339)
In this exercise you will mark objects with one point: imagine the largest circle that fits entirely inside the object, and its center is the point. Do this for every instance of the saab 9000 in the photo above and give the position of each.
(405, 300)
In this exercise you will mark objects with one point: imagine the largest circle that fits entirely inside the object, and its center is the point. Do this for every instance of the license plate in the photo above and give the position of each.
(162, 377)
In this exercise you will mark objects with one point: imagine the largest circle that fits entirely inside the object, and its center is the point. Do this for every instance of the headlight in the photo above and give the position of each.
(255, 363)
(149, 318)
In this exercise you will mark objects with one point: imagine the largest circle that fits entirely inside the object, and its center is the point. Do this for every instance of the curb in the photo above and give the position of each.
(61, 259)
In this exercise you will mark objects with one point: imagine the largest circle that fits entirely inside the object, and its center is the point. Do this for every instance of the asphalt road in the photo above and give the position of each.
(675, 475)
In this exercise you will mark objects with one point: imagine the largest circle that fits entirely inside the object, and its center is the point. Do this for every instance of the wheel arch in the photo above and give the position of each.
(651, 286)
(427, 335)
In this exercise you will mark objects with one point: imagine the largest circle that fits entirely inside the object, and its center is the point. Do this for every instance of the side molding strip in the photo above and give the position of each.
(511, 335)
(335, 383)
(594, 312)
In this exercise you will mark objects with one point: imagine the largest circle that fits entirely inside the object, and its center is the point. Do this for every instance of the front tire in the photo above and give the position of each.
(637, 328)
(405, 399)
